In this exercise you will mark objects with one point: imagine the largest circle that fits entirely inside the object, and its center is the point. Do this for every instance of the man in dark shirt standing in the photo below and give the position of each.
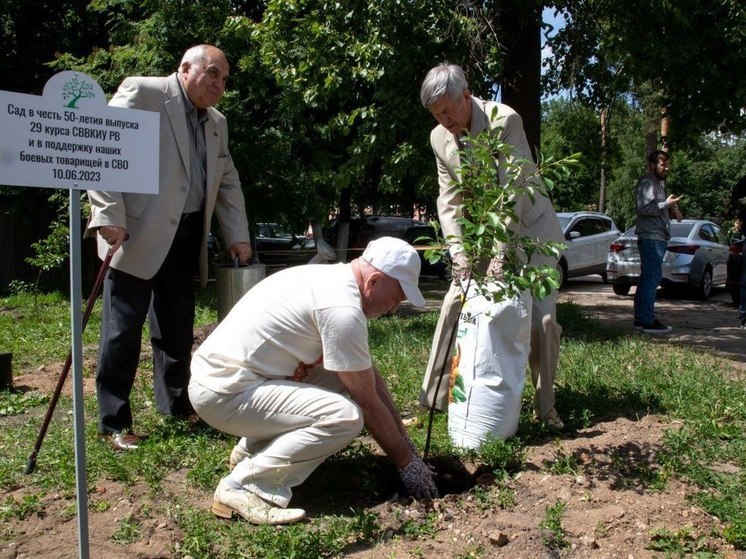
(653, 229)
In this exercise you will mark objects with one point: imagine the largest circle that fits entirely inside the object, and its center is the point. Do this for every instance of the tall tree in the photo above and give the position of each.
(690, 54)
(570, 127)
(324, 96)
(347, 81)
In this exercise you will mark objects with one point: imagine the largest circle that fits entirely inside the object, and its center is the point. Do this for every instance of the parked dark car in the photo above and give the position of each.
(365, 229)
(273, 245)
(276, 245)
(733, 282)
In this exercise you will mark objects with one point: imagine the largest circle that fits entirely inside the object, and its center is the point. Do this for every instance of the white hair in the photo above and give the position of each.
(196, 55)
(444, 79)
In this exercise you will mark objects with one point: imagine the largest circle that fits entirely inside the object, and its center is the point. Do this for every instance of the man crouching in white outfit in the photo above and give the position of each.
(275, 371)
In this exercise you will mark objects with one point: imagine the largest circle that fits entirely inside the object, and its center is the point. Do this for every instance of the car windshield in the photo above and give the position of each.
(681, 229)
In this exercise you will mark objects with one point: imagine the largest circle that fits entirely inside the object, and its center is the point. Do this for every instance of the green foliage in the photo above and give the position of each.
(570, 127)
(45, 336)
(628, 164)
(395, 346)
(15, 402)
(144, 38)
(498, 495)
(52, 251)
(670, 54)
(203, 538)
(417, 526)
(20, 287)
(563, 463)
(345, 80)
(28, 505)
(366, 525)
(705, 176)
(33, 32)
(554, 537)
(503, 456)
(471, 552)
(735, 532)
(128, 530)
(682, 543)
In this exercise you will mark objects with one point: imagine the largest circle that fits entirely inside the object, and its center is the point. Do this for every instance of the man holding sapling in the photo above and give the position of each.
(461, 116)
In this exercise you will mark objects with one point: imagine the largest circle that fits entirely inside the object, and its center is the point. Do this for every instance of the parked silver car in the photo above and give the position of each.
(588, 236)
(697, 257)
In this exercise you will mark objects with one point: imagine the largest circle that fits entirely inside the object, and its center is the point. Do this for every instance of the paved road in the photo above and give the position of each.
(712, 325)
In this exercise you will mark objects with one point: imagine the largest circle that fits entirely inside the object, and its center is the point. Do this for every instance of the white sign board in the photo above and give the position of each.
(70, 138)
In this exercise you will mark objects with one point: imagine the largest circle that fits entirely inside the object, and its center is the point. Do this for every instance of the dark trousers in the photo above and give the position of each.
(167, 299)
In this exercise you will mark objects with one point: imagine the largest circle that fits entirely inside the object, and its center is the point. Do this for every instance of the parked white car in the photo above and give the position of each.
(588, 236)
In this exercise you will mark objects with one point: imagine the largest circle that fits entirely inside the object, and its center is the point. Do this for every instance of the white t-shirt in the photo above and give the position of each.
(293, 317)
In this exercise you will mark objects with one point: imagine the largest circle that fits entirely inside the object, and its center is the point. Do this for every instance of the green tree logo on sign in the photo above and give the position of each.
(76, 89)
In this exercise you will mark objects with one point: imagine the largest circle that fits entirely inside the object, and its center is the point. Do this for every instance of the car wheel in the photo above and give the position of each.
(621, 287)
(562, 271)
(705, 285)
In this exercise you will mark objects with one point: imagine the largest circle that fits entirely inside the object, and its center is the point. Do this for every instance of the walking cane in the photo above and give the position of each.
(31, 463)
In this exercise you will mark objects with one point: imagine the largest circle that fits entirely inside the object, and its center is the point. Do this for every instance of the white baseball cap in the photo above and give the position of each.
(398, 259)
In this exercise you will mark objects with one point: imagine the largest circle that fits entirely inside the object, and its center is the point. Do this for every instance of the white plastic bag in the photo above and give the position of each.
(489, 369)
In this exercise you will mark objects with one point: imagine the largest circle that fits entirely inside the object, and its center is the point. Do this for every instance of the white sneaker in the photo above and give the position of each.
(237, 454)
(228, 501)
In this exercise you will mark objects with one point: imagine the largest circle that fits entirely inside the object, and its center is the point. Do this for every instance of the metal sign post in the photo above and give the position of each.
(81, 484)
(69, 138)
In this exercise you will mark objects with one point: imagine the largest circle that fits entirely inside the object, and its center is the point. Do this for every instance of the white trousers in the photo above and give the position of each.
(290, 428)
(543, 358)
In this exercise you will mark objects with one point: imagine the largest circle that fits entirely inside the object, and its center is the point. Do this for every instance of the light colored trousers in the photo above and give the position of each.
(290, 428)
(543, 358)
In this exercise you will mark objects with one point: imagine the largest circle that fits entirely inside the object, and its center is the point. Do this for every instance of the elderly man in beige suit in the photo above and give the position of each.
(445, 93)
(152, 273)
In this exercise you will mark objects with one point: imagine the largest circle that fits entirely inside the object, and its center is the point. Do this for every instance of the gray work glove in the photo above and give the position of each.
(460, 270)
(418, 480)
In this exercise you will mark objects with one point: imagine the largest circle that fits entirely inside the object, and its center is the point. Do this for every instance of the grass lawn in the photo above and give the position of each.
(604, 374)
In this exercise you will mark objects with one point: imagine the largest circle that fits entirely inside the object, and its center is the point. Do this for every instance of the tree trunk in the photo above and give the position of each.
(520, 82)
(604, 154)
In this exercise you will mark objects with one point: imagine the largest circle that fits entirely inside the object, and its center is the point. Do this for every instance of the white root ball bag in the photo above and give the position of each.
(488, 370)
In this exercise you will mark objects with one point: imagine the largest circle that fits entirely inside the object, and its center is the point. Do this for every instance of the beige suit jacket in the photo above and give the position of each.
(151, 220)
(537, 219)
